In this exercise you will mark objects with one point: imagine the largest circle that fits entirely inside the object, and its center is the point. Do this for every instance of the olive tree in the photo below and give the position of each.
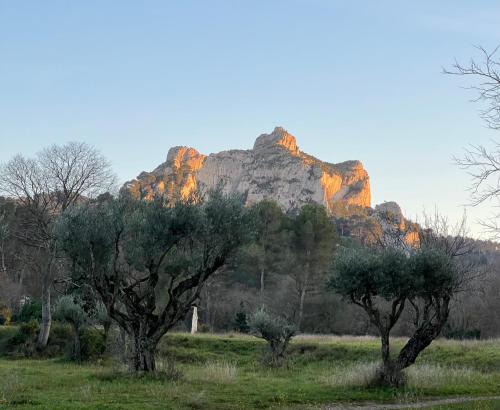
(147, 262)
(384, 281)
(276, 331)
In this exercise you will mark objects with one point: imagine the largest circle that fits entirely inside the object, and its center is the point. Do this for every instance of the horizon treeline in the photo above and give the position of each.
(283, 268)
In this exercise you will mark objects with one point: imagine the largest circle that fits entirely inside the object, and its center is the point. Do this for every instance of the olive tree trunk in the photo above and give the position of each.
(422, 338)
(144, 351)
(389, 374)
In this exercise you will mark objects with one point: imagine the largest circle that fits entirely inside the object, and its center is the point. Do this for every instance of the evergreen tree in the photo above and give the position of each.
(312, 242)
(240, 321)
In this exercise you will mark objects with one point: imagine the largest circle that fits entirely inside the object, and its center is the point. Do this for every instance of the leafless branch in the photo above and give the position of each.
(487, 73)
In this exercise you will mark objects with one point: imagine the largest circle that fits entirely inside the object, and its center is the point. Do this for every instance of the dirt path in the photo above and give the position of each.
(418, 405)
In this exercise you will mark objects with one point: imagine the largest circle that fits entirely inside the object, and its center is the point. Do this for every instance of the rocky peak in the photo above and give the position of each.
(177, 156)
(278, 138)
(273, 169)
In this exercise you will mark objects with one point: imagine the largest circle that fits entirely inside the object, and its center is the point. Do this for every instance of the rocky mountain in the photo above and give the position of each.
(275, 168)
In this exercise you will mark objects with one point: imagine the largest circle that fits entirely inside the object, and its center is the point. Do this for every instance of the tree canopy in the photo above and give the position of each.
(384, 281)
(147, 262)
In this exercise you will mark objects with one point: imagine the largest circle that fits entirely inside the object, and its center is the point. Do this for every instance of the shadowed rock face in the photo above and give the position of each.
(275, 168)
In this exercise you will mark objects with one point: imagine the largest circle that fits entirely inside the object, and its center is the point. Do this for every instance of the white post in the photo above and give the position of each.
(194, 321)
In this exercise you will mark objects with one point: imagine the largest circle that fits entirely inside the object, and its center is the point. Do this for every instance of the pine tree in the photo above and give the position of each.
(240, 321)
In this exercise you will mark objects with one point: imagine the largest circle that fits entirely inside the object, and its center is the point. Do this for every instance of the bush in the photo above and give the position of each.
(28, 330)
(5, 314)
(23, 343)
(92, 343)
(276, 331)
(30, 310)
(70, 310)
(61, 336)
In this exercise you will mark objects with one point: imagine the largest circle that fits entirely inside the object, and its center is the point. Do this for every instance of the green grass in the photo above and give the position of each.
(223, 372)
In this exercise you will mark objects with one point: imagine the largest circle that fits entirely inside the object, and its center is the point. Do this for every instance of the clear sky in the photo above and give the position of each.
(350, 79)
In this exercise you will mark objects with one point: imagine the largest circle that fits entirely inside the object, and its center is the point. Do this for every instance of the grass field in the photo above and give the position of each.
(223, 372)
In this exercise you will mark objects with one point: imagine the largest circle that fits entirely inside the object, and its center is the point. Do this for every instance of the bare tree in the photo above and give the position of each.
(54, 180)
(483, 164)
(487, 72)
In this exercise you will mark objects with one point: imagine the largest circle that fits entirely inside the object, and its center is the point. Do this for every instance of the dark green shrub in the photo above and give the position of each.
(32, 309)
(241, 322)
(60, 338)
(23, 343)
(29, 330)
(92, 343)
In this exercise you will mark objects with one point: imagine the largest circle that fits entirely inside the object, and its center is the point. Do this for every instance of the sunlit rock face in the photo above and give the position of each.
(275, 168)
(391, 218)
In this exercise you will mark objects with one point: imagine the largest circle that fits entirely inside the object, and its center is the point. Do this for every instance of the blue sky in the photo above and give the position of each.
(350, 79)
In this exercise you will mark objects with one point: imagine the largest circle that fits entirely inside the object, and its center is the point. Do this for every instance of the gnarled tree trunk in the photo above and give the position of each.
(422, 338)
(389, 374)
(144, 350)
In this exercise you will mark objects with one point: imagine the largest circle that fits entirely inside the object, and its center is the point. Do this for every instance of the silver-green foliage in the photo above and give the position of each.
(276, 331)
(147, 262)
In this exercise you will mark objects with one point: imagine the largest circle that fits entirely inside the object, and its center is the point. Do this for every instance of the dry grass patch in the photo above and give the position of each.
(222, 372)
(316, 338)
(437, 376)
(354, 375)
(419, 376)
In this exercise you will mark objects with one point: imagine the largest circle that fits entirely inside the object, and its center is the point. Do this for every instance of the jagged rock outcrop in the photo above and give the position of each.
(395, 226)
(275, 168)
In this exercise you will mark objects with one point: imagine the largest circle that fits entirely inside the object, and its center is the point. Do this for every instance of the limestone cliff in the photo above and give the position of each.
(395, 226)
(275, 168)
